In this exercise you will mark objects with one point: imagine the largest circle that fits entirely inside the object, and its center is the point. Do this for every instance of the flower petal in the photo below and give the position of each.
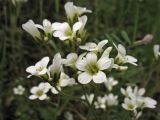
(31, 28)
(104, 63)
(46, 23)
(43, 97)
(31, 70)
(32, 97)
(56, 26)
(131, 60)
(70, 9)
(121, 50)
(84, 78)
(100, 77)
(43, 62)
(54, 91)
(91, 57)
(102, 44)
(77, 26)
(106, 52)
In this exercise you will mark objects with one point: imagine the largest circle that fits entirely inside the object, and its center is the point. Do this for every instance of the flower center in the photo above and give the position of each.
(130, 106)
(92, 68)
(39, 93)
(39, 69)
(68, 33)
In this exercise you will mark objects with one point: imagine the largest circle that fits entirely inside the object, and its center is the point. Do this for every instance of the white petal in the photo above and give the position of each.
(81, 10)
(43, 97)
(104, 63)
(90, 46)
(44, 71)
(91, 57)
(56, 26)
(65, 27)
(141, 91)
(77, 26)
(58, 34)
(84, 78)
(121, 50)
(81, 65)
(107, 52)
(156, 50)
(83, 19)
(131, 60)
(46, 23)
(43, 62)
(54, 91)
(32, 97)
(31, 28)
(100, 77)
(34, 89)
(149, 102)
(70, 9)
(39, 26)
(64, 38)
(31, 70)
(102, 44)
(71, 59)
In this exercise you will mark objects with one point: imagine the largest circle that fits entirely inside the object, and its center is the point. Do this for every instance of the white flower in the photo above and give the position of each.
(63, 81)
(74, 11)
(47, 27)
(56, 67)
(63, 30)
(133, 93)
(110, 82)
(40, 91)
(100, 103)
(92, 69)
(111, 100)
(19, 90)
(122, 58)
(91, 46)
(129, 104)
(136, 95)
(39, 69)
(156, 50)
(89, 98)
(70, 59)
(68, 116)
(31, 28)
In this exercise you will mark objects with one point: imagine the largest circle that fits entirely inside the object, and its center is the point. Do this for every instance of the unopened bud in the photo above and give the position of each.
(147, 39)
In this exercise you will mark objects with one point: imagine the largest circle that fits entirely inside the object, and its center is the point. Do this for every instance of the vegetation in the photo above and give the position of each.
(125, 22)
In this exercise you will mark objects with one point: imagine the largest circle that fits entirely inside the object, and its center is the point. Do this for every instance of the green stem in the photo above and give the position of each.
(41, 9)
(136, 21)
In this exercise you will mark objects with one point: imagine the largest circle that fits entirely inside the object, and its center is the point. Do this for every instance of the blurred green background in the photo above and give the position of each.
(121, 21)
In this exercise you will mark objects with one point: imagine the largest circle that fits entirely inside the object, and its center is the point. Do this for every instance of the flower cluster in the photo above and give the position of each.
(86, 63)
(135, 100)
(101, 102)
(71, 31)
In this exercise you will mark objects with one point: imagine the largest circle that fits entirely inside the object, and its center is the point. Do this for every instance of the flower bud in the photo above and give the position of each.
(147, 39)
